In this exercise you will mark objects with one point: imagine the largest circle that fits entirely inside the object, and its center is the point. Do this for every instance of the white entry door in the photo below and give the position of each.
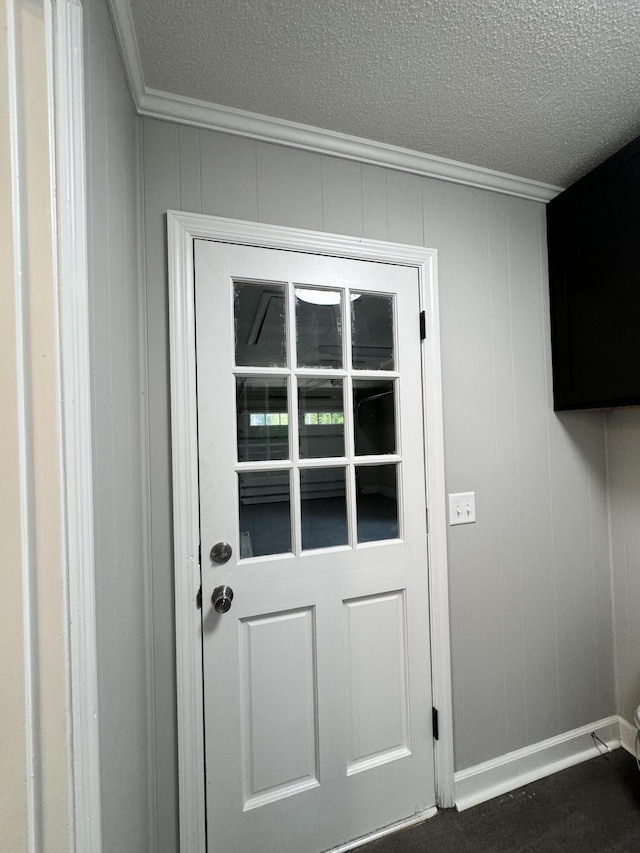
(317, 696)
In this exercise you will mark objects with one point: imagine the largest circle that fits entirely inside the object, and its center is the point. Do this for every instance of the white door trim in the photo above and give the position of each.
(183, 229)
(64, 68)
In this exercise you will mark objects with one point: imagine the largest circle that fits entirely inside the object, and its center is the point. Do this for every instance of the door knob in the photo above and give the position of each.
(222, 598)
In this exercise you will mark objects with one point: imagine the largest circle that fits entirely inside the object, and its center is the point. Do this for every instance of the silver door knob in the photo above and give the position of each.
(222, 598)
(220, 552)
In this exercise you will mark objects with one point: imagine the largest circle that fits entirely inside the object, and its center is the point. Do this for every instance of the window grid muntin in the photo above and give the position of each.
(347, 373)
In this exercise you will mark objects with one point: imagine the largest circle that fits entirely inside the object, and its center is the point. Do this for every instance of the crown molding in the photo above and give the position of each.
(164, 105)
(125, 31)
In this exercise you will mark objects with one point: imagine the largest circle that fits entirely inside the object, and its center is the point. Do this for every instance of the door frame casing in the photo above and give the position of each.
(61, 755)
(183, 229)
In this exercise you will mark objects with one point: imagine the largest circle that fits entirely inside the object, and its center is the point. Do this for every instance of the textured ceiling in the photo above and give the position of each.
(543, 89)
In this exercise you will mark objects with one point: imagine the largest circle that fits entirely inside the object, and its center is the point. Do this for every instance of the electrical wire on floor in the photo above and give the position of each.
(597, 740)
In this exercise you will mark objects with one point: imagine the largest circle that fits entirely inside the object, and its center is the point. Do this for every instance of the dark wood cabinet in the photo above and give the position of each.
(593, 235)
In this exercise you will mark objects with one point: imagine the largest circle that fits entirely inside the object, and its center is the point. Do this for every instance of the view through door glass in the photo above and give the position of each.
(316, 399)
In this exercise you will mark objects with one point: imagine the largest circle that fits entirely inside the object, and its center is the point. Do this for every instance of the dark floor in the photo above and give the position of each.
(591, 808)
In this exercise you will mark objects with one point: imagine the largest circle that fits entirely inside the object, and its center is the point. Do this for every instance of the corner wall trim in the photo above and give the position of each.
(628, 734)
(165, 105)
(514, 769)
(122, 19)
(75, 407)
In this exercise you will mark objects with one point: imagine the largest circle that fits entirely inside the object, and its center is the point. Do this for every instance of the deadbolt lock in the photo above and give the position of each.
(221, 552)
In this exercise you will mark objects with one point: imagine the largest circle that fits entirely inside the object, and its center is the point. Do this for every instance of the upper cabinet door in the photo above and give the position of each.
(593, 232)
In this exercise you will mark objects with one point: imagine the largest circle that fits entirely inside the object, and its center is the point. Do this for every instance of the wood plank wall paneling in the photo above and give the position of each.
(531, 607)
(190, 177)
(404, 208)
(623, 432)
(375, 219)
(506, 472)
(117, 391)
(541, 651)
(342, 195)
(289, 185)
(228, 168)
(161, 159)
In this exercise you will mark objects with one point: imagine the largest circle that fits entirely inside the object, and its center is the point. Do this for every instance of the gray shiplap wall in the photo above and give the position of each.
(113, 148)
(623, 439)
(532, 635)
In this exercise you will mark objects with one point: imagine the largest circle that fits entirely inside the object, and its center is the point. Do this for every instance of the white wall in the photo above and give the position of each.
(117, 338)
(623, 438)
(532, 634)
(35, 765)
(14, 663)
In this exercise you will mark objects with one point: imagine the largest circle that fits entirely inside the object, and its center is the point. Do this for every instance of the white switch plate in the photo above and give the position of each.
(462, 508)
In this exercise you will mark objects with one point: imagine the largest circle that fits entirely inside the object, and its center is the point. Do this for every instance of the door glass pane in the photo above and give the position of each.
(259, 314)
(320, 418)
(262, 418)
(324, 507)
(377, 502)
(265, 513)
(374, 416)
(319, 327)
(372, 332)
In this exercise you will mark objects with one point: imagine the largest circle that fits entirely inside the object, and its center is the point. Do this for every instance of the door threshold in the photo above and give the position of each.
(405, 823)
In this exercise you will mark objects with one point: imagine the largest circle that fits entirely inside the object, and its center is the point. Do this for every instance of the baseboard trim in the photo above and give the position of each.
(628, 734)
(514, 769)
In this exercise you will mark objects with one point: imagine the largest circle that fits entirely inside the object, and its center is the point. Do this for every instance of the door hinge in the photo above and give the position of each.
(199, 599)
(423, 325)
(434, 719)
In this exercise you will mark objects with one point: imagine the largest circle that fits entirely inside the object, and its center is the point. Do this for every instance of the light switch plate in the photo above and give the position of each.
(462, 508)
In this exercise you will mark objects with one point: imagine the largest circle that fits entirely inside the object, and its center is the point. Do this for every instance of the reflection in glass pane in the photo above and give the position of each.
(324, 507)
(374, 416)
(259, 314)
(319, 327)
(377, 502)
(372, 332)
(265, 513)
(262, 419)
(321, 418)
